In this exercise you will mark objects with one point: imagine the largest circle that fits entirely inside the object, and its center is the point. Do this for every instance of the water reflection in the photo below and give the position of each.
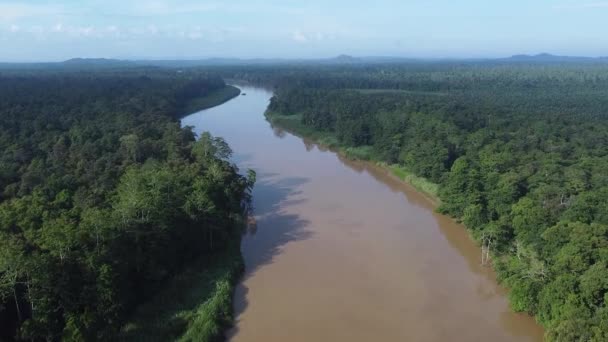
(278, 132)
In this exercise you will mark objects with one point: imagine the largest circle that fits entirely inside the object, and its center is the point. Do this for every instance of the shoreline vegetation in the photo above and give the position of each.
(430, 190)
(518, 162)
(117, 223)
(213, 99)
(196, 304)
(293, 124)
(425, 187)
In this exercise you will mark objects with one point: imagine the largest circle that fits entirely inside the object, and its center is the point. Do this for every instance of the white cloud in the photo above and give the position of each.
(299, 37)
(195, 35)
(85, 31)
(73, 31)
(14, 11)
(70, 31)
(57, 28)
(212, 35)
(303, 37)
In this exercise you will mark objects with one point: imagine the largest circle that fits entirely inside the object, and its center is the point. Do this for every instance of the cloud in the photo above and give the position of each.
(15, 11)
(113, 29)
(57, 28)
(152, 29)
(60, 29)
(72, 31)
(299, 37)
(303, 37)
(195, 35)
(211, 35)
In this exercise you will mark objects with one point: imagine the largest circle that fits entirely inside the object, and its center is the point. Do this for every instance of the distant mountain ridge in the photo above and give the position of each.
(97, 61)
(547, 57)
(108, 63)
(348, 59)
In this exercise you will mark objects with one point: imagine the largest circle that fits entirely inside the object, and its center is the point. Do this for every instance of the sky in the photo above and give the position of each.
(38, 30)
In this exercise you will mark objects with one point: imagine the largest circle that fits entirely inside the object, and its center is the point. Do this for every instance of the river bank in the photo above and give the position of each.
(193, 305)
(215, 98)
(293, 125)
(196, 304)
(344, 251)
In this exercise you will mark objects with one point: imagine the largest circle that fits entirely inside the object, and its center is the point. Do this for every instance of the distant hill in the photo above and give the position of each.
(345, 59)
(547, 57)
(106, 63)
(97, 62)
(341, 59)
(185, 63)
(72, 64)
(351, 60)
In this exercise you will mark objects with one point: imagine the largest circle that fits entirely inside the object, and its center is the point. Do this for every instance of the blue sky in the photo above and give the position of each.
(38, 30)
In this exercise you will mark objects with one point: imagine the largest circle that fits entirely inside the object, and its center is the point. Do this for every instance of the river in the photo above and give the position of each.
(343, 252)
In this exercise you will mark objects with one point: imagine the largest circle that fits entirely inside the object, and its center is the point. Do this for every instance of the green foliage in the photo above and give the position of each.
(195, 305)
(365, 152)
(518, 152)
(211, 99)
(421, 184)
(104, 197)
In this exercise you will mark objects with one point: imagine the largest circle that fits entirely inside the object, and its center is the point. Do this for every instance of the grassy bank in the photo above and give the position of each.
(419, 183)
(196, 305)
(213, 99)
(293, 124)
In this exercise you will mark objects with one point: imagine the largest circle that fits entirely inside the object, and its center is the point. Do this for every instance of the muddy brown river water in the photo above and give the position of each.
(344, 252)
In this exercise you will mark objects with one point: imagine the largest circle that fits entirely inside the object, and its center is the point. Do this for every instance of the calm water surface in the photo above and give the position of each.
(343, 252)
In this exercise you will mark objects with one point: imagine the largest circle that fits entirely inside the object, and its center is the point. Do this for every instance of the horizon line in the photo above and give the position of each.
(345, 56)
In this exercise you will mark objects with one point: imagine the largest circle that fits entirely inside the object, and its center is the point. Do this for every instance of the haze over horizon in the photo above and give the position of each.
(39, 30)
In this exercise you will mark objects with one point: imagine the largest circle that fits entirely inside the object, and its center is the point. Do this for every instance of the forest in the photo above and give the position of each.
(104, 198)
(108, 206)
(518, 153)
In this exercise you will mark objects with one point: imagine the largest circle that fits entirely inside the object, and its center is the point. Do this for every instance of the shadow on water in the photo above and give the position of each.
(274, 228)
(454, 233)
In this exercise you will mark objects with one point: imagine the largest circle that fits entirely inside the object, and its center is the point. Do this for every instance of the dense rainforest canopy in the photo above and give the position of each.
(520, 153)
(103, 196)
